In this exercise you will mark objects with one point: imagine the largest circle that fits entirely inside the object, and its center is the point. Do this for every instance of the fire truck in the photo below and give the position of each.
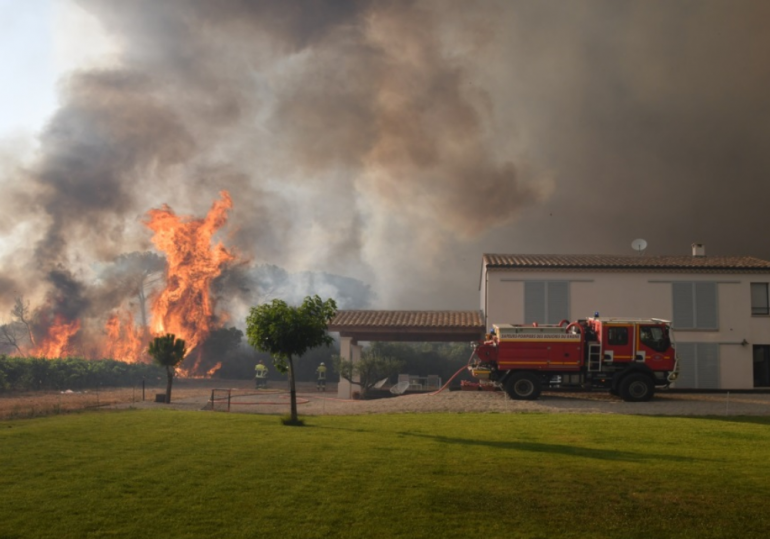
(629, 357)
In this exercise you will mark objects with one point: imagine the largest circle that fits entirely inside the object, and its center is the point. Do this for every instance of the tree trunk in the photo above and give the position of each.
(143, 302)
(11, 339)
(292, 392)
(31, 338)
(170, 378)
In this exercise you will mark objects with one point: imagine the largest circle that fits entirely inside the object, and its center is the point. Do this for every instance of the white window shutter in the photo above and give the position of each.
(708, 365)
(557, 306)
(685, 351)
(706, 306)
(759, 299)
(534, 302)
(684, 308)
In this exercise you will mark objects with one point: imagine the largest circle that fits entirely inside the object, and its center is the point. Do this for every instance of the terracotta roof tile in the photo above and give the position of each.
(629, 263)
(407, 319)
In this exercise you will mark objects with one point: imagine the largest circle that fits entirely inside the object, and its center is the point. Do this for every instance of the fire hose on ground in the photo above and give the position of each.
(464, 367)
(303, 400)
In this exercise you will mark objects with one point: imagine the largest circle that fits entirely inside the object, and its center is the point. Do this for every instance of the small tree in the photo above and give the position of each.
(370, 369)
(11, 334)
(21, 312)
(285, 332)
(14, 332)
(169, 352)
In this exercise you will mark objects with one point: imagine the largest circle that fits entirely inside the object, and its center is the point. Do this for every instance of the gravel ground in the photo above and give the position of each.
(310, 402)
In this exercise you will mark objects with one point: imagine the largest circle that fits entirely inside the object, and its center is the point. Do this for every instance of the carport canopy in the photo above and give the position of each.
(400, 326)
(409, 326)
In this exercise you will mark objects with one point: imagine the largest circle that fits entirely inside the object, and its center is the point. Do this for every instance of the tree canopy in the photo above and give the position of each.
(286, 332)
(169, 352)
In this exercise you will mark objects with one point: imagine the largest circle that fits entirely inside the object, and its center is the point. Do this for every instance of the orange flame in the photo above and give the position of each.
(56, 342)
(185, 307)
(124, 340)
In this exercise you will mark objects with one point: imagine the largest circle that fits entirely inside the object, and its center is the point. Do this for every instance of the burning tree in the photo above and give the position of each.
(99, 321)
(133, 273)
(185, 306)
(285, 332)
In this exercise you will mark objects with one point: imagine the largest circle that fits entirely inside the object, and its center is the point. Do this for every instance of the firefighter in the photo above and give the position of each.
(321, 371)
(261, 374)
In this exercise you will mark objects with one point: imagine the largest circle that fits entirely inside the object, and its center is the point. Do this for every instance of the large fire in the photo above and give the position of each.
(124, 340)
(56, 342)
(183, 307)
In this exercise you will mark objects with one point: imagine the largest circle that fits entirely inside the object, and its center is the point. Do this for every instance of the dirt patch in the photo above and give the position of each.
(244, 398)
(41, 403)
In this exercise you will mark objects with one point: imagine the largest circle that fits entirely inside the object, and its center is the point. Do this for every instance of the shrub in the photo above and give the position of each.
(31, 373)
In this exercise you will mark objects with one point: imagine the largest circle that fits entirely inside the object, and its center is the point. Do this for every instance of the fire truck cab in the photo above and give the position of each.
(630, 357)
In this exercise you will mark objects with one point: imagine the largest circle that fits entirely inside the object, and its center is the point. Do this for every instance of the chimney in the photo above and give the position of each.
(698, 249)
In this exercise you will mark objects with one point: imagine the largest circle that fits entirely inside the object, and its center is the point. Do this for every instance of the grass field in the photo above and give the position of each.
(165, 473)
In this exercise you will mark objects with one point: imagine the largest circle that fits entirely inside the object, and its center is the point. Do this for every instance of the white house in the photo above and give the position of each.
(719, 306)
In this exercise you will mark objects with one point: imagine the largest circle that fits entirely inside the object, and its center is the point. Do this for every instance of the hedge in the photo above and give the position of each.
(33, 373)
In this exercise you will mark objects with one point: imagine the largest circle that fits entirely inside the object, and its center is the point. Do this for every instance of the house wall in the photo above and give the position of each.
(349, 351)
(483, 286)
(644, 295)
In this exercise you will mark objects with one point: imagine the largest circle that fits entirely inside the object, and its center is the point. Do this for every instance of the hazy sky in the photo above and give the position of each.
(28, 73)
(393, 141)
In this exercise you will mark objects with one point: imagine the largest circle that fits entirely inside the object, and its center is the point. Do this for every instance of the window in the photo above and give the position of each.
(617, 336)
(654, 337)
(695, 305)
(761, 365)
(759, 299)
(546, 302)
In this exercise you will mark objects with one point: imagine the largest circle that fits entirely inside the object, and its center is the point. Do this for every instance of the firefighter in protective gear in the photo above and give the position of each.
(261, 374)
(321, 371)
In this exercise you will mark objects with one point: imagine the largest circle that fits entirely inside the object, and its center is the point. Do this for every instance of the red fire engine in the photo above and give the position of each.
(629, 357)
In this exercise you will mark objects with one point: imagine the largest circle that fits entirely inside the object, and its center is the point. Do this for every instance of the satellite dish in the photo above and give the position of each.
(639, 245)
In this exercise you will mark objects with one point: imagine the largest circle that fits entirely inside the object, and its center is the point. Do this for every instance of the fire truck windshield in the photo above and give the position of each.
(654, 337)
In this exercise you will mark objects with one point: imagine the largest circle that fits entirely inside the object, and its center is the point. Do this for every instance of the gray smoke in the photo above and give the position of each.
(651, 116)
(393, 142)
(243, 286)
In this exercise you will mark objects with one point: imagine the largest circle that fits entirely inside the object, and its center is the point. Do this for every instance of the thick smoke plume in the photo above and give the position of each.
(351, 137)
(393, 142)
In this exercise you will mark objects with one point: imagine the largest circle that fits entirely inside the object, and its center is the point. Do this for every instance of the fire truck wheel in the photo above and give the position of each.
(523, 386)
(636, 387)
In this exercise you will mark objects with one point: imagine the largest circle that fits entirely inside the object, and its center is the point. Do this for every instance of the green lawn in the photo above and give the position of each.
(165, 473)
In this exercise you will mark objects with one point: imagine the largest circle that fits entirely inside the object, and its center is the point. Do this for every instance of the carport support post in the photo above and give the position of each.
(350, 351)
